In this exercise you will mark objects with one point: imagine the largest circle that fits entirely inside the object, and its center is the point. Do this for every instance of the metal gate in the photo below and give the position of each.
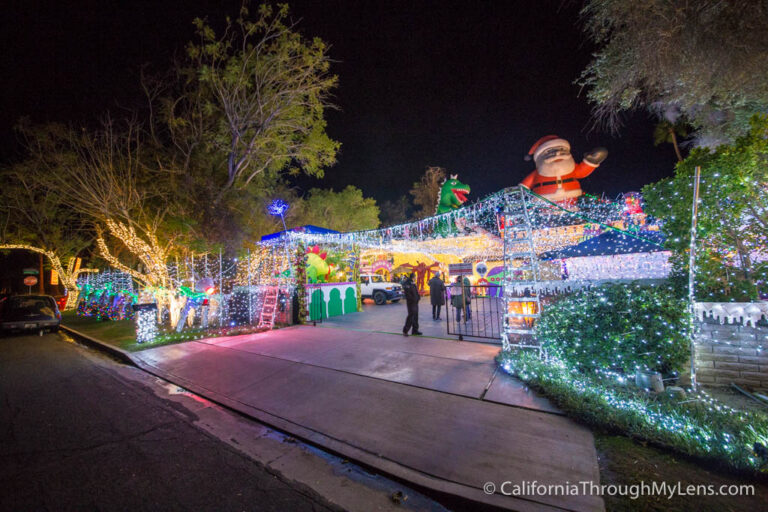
(475, 311)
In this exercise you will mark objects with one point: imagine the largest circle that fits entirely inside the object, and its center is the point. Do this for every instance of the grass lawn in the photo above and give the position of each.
(122, 333)
(627, 462)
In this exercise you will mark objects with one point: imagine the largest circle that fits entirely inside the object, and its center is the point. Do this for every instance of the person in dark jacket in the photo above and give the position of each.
(436, 295)
(457, 298)
(412, 302)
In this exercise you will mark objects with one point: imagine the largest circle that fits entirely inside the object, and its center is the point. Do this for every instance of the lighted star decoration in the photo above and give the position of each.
(277, 207)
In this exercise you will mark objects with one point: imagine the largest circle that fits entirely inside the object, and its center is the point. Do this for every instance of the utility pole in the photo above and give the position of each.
(691, 273)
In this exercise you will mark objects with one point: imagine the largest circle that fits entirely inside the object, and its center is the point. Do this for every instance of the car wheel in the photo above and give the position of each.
(380, 298)
(55, 329)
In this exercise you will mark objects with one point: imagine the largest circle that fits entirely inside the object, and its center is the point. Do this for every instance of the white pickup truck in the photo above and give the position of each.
(373, 286)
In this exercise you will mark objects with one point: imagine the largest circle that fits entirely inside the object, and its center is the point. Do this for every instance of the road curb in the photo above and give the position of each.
(120, 354)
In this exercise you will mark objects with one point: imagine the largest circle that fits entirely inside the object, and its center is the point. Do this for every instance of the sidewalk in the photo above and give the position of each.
(430, 411)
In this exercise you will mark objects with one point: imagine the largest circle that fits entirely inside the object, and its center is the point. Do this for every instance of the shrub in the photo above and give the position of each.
(618, 327)
(696, 425)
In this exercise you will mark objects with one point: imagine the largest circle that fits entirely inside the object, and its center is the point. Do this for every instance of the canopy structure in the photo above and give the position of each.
(611, 243)
(308, 228)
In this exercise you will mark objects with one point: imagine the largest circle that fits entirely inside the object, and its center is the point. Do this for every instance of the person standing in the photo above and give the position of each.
(412, 302)
(457, 297)
(467, 298)
(436, 295)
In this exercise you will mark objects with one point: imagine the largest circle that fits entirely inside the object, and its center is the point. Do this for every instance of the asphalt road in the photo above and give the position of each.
(76, 434)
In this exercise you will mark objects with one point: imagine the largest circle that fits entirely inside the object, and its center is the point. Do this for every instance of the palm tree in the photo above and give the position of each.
(668, 132)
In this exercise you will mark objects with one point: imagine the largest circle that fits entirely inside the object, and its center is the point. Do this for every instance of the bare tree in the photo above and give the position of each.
(426, 191)
(37, 221)
(106, 177)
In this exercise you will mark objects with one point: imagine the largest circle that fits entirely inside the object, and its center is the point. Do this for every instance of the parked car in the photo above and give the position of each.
(29, 312)
(374, 286)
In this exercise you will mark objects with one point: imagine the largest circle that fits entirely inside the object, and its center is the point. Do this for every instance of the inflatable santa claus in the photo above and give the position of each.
(557, 175)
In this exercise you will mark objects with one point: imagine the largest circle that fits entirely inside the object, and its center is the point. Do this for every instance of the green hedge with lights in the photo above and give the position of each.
(695, 425)
(620, 328)
(596, 340)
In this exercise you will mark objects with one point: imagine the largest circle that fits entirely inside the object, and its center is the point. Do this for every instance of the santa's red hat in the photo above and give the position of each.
(545, 143)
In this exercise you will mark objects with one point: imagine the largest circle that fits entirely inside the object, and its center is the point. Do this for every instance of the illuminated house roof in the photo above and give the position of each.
(308, 229)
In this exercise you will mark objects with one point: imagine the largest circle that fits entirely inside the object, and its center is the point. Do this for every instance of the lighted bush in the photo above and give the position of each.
(696, 425)
(618, 327)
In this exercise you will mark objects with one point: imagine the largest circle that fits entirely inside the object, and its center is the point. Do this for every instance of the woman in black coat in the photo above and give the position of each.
(436, 295)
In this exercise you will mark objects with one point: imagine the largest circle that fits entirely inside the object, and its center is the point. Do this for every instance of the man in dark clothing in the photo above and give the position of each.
(436, 295)
(412, 301)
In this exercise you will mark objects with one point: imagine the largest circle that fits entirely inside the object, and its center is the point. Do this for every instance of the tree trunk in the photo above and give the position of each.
(674, 144)
(41, 282)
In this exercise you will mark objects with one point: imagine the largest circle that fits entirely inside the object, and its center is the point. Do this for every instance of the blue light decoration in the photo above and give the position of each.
(278, 207)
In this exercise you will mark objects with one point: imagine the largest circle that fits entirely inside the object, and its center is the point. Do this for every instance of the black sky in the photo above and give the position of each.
(464, 85)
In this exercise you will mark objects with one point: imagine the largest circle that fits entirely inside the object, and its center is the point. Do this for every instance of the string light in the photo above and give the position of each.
(146, 323)
(68, 277)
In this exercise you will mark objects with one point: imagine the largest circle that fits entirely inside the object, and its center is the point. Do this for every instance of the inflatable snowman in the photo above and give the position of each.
(557, 175)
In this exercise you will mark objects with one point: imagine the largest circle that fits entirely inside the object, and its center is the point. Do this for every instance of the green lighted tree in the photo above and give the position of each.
(266, 88)
(703, 60)
(732, 216)
(347, 210)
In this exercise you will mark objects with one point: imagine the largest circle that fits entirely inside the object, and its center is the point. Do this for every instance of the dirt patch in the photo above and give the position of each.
(733, 398)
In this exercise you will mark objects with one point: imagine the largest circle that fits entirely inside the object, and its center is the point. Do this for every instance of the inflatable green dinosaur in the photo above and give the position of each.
(318, 271)
(453, 194)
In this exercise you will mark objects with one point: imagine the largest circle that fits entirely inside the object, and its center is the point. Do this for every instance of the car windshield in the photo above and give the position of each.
(31, 305)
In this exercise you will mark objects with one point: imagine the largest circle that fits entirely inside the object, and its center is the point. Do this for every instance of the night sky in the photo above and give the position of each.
(468, 86)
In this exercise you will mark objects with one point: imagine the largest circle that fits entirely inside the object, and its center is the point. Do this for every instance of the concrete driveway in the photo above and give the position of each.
(431, 411)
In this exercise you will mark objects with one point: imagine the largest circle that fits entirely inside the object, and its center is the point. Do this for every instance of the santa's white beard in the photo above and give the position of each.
(557, 168)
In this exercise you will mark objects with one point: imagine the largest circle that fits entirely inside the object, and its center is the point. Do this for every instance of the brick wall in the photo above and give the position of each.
(732, 353)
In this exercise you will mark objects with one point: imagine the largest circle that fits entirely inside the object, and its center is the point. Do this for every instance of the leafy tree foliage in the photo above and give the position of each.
(732, 215)
(220, 132)
(395, 212)
(426, 191)
(243, 110)
(703, 60)
(347, 210)
(267, 88)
